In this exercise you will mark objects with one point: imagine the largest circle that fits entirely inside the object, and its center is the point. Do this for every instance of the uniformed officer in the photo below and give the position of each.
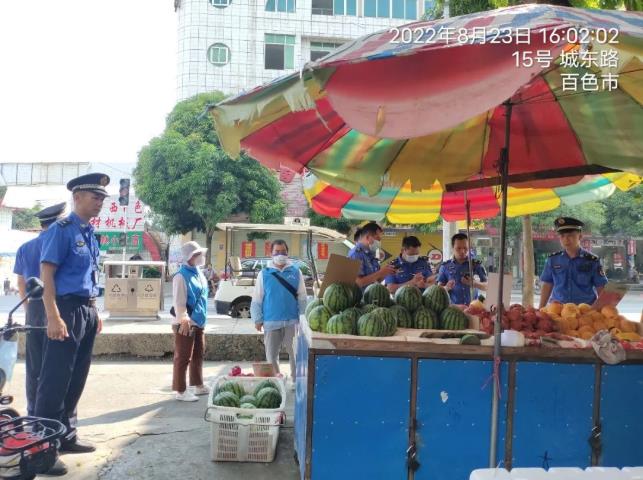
(28, 265)
(69, 270)
(368, 240)
(572, 275)
(410, 267)
(454, 273)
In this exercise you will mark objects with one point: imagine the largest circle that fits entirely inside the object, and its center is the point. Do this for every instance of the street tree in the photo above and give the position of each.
(190, 183)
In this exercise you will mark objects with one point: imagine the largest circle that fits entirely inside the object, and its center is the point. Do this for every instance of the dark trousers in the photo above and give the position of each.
(188, 351)
(34, 349)
(65, 365)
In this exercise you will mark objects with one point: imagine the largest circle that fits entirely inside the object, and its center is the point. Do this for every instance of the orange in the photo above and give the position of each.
(609, 311)
(584, 308)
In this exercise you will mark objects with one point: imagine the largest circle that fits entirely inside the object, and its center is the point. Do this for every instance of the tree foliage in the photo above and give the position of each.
(26, 219)
(191, 183)
(341, 225)
(624, 213)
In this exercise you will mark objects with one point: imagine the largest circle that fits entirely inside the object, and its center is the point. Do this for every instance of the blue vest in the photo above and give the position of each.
(197, 289)
(278, 303)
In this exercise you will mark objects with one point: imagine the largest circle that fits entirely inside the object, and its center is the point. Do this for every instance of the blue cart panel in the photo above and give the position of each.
(621, 402)
(301, 398)
(361, 412)
(453, 417)
(553, 415)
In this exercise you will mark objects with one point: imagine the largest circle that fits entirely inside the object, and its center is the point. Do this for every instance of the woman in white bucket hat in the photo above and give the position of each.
(190, 302)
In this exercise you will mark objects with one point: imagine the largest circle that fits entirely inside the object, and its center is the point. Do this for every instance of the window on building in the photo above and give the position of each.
(335, 7)
(404, 9)
(287, 6)
(219, 54)
(321, 49)
(279, 52)
(220, 3)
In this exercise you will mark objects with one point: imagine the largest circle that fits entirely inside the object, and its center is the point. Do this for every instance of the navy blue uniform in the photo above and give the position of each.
(28, 265)
(369, 262)
(574, 279)
(452, 270)
(408, 270)
(71, 246)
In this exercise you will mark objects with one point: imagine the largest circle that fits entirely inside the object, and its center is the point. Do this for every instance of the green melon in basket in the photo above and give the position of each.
(318, 318)
(226, 399)
(436, 298)
(313, 303)
(357, 294)
(452, 318)
(377, 294)
(263, 384)
(230, 386)
(268, 397)
(247, 405)
(248, 399)
(340, 324)
(409, 297)
(425, 318)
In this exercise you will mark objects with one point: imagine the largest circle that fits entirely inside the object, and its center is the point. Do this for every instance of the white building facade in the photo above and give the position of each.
(235, 45)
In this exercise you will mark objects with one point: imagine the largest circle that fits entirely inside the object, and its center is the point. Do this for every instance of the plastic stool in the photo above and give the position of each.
(529, 474)
(632, 473)
(565, 473)
(490, 474)
(603, 473)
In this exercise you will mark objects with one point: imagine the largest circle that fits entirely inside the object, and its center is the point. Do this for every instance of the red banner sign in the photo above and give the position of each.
(267, 250)
(631, 247)
(322, 251)
(248, 249)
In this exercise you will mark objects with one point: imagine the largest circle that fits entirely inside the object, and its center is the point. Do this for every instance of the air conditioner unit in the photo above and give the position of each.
(301, 221)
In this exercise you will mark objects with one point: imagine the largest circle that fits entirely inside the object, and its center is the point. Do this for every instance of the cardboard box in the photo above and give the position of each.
(339, 270)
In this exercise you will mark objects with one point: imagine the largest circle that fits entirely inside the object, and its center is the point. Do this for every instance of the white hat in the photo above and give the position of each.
(190, 249)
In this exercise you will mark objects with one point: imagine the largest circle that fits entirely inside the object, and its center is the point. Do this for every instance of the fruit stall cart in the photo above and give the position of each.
(404, 407)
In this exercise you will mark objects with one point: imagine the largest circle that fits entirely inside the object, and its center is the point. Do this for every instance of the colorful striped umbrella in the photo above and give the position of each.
(402, 205)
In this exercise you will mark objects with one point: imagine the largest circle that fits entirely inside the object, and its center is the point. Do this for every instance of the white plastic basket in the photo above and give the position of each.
(245, 435)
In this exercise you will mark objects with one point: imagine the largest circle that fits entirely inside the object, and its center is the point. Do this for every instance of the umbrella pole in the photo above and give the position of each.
(468, 207)
(504, 173)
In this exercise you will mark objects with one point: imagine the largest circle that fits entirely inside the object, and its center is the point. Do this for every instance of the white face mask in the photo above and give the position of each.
(376, 245)
(280, 259)
(410, 258)
(200, 261)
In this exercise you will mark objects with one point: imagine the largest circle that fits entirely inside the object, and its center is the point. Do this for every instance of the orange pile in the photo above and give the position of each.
(583, 322)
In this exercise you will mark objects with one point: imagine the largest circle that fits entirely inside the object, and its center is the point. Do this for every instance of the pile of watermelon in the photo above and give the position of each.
(232, 394)
(344, 310)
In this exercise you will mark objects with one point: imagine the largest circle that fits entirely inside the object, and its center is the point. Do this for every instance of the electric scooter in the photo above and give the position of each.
(28, 445)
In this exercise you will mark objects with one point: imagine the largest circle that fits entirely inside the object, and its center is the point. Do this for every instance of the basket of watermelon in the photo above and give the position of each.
(245, 414)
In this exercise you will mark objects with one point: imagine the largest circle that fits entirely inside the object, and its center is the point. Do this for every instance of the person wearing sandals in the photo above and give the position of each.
(190, 304)
(278, 299)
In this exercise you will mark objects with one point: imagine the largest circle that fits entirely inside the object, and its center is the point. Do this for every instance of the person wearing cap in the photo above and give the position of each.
(572, 275)
(454, 274)
(190, 301)
(367, 241)
(411, 268)
(28, 265)
(69, 271)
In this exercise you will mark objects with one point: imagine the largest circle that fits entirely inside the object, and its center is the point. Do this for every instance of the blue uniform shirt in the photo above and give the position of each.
(369, 263)
(574, 279)
(408, 270)
(71, 245)
(28, 258)
(452, 270)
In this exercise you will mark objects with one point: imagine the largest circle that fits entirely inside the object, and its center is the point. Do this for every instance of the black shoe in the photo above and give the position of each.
(77, 446)
(58, 470)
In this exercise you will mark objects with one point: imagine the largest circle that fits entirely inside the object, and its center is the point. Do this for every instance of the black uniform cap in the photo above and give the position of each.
(51, 214)
(568, 224)
(92, 182)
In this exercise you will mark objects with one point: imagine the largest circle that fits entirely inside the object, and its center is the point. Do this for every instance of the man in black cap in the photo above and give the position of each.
(69, 270)
(28, 265)
(572, 275)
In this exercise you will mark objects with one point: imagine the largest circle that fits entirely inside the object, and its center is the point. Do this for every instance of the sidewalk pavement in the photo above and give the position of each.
(141, 432)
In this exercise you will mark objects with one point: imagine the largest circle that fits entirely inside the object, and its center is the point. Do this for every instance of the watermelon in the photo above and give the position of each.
(368, 308)
(425, 318)
(409, 297)
(377, 294)
(268, 398)
(353, 313)
(234, 387)
(403, 318)
(357, 294)
(264, 384)
(340, 324)
(436, 298)
(247, 405)
(338, 297)
(248, 399)
(452, 318)
(226, 399)
(387, 316)
(318, 318)
(314, 303)
(469, 340)
(378, 323)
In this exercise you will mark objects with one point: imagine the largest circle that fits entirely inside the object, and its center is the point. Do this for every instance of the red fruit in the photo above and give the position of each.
(236, 371)
(514, 315)
(530, 318)
(517, 306)
(516, 324)
(545, 325)
(504, 323)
